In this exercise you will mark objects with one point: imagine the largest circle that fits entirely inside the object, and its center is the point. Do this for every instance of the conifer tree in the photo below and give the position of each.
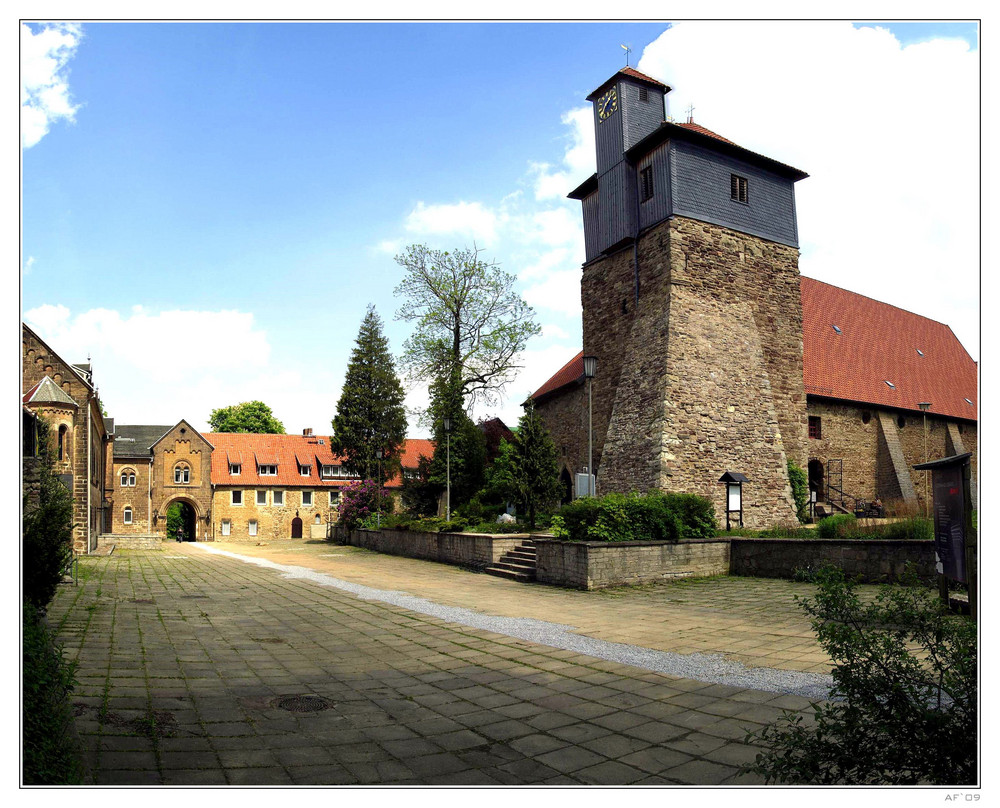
(370, 413)
(535, 464)
(468, 444)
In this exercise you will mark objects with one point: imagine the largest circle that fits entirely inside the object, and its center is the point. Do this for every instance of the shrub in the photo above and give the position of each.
(903, 708)
(50, 753)
(359, 501)
(836, 526)
(47, 532)
(800, 491)
(634, 517)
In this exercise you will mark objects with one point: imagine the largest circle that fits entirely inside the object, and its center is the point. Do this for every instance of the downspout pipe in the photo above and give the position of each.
(89, 472)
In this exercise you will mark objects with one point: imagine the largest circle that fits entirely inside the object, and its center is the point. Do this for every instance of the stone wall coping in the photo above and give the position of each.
(643, 543)
(813, 542)
(391, 530)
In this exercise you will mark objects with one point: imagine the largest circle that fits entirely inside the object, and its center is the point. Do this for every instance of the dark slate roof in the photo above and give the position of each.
(48, 392)
(134, 441)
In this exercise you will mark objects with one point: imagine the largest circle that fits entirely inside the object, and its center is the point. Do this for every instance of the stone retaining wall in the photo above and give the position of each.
(477, 550)
(597, 564)
(874, 561)
(130, 541)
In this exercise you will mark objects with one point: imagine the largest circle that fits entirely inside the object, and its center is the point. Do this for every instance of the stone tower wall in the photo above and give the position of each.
(704, 375)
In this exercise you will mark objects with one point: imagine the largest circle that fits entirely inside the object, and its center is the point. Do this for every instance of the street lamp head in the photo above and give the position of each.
(447, 424)
(924, 405)
(590, 366)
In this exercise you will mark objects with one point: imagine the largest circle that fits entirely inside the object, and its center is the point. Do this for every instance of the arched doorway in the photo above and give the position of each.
(816, 480)
(566, 487)
(181, 521)
(296, 528)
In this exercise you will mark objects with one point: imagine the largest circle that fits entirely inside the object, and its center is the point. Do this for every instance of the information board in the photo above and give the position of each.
(949, 522)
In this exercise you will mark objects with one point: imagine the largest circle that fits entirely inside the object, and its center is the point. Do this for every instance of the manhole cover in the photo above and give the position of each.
(302, 704)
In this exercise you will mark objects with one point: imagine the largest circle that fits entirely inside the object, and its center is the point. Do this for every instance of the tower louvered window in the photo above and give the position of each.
(646, 179)
(738, 189)
(644, 95)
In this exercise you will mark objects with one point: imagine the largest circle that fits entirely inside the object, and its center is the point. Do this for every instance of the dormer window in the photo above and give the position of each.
(235, 468)
(267, 471)
(305, 471)
(837, 329)
(919, 352)
(891, 385)
(328, 472)
(968, 402)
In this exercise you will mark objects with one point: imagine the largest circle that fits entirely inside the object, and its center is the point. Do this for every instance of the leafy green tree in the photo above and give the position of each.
(418, 494)
(370, 413)
(468, 320)
(248, 416)
(527, 469)
(903, 707)
(47, 529)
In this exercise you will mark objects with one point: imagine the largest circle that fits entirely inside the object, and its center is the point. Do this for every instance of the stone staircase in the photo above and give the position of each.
(518, 564)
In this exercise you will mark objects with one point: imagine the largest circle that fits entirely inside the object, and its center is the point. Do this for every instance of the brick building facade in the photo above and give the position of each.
(715, 355)
(65, 397)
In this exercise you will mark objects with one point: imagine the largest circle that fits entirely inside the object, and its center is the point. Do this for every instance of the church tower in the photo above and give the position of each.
(691, 304)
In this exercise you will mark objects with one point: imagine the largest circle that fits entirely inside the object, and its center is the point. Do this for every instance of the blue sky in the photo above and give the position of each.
(209, 208)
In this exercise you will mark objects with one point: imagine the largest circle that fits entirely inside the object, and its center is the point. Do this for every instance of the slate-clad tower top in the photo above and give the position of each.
(627, 107)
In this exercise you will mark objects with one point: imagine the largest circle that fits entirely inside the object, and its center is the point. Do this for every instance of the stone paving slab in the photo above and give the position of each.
(186, 660)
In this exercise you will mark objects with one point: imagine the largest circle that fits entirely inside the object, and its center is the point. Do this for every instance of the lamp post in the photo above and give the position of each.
(733, 481)
(924, 406)
(447, 432)
(378, 491)
(589, 371)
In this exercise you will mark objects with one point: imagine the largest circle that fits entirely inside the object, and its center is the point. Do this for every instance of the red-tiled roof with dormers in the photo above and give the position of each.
(922, 358)
(879, 343)
(289, 453)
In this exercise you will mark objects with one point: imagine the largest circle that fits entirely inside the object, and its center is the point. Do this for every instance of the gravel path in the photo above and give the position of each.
(701, 667)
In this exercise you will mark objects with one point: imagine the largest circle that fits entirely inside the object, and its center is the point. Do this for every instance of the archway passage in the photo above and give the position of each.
(296, 528)
(816, 479)
(566, 487)
(181, 522)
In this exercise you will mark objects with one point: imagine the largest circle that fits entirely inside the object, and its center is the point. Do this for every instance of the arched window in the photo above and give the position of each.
(128, 478)
(317, 520)
(63, 442)
(127, 519)
(182, 473)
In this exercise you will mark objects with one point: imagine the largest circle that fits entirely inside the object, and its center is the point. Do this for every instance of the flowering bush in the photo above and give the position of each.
(360, 501)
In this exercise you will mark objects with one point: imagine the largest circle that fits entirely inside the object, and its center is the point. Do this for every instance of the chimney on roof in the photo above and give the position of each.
(307, 432)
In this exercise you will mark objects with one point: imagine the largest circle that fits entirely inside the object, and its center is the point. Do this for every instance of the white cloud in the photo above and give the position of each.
(889, 136)
(29, 263)
(579, 160)
(465, 220)
(45, 96)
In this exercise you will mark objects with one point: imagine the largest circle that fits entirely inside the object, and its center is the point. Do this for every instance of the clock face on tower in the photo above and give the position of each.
(607, 104)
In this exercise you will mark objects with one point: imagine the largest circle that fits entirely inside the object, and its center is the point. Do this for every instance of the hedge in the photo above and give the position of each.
(655, 516)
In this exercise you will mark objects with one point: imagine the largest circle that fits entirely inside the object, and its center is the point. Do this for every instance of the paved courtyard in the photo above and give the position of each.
(201, 667)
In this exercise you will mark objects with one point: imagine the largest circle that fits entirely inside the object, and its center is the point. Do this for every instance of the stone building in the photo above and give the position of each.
(64, 396)
(714, 354)
(229, 486)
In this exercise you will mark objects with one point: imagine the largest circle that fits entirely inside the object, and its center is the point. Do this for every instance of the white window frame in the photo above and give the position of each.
(182, 474)
(278, 499)
(127, 515)
(235, 469)
(261, 498)
(227, 526)
(310, 502)
(252, 527)
(267, 470)
(305, 471)
(233, 496)
(328, 472)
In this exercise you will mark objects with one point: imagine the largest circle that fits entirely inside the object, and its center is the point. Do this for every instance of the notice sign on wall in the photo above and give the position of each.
(949, 522)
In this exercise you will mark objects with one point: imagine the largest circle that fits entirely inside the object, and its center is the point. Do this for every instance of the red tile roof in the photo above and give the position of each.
(880, 343)
(629, 71)
(694, 127)
(567, 374)
(877, 343)
(287, 452)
